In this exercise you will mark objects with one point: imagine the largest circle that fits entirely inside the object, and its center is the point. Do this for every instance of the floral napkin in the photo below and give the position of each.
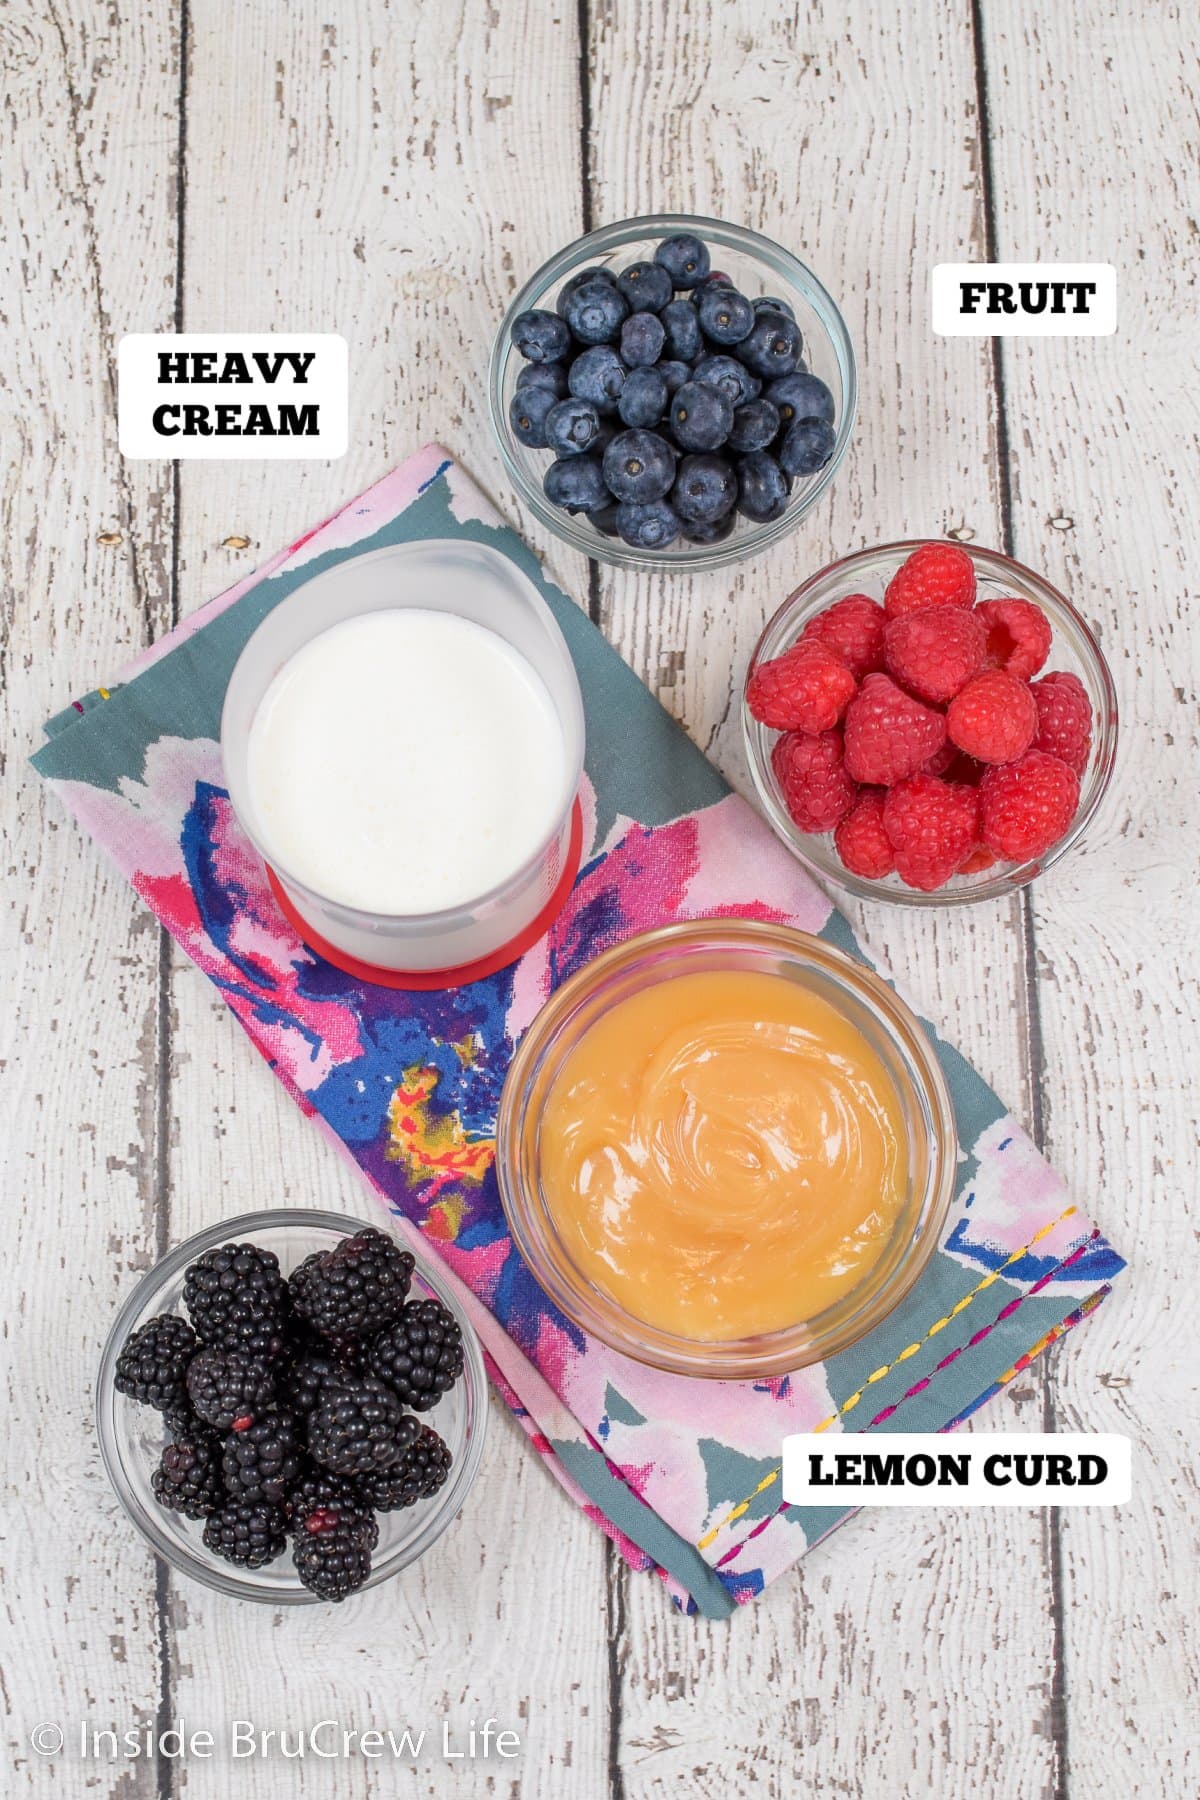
(682, 1474)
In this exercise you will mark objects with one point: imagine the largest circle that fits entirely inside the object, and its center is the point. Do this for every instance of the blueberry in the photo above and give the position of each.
(683, 330)
(608, 431)
(648, 525)
(713, 532)
(642, 338)
(597, 310)
(755, 423)
(605, 519)
(639, 465)
(572, 426)
(807, 446)
(801, 396)
(598, 375)
(773, 346)
(769, 303)
(705, 489)
(576, 483)
(701, 416)
(674, 374)
(527, 411)
(643, 398)
(717, 279)
(725, 316)
(732, 377)
(544, 375)
(762, 487)
(576, 281)
(646, 286)
(684, 258)
(541, 337)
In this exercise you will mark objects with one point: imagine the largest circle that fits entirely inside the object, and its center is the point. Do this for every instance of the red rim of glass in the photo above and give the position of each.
(429, 980)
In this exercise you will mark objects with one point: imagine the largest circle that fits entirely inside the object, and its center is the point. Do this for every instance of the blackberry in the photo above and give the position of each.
(332, 1552)
(237, 1299)
(420, 1356)
(246, 1532)
(304, 1380)
(357, 1287)
(263, 1461)
(421, 1471)
(229, 1389)
(320, 1490)
(188, 1478)
(359, 1426)
(181, 1417)
(152, 1366)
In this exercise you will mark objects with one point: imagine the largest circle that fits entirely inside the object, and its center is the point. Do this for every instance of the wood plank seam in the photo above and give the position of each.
(165, 1767)
(1034, 1044)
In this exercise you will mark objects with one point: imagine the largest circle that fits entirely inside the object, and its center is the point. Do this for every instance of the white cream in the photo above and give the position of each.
(405, 761)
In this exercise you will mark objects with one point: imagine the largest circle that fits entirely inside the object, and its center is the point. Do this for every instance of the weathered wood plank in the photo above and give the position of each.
(371, 188)
(87, 240)
(827, 132)
(1105, 451)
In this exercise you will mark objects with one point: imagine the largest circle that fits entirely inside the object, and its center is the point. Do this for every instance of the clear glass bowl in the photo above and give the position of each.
(758, 267)
(132, 1436)
(997, 577)
(890, 1029)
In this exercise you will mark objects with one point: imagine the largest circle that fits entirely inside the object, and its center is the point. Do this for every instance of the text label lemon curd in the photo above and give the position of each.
(1032, 1468)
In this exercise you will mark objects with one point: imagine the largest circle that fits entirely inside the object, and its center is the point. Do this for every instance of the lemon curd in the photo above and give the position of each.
(723, 1154)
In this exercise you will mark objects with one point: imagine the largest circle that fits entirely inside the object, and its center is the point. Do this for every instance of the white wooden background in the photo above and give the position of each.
(392, 171)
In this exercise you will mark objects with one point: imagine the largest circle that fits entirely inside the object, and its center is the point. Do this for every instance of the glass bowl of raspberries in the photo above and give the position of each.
(672, 392)
(290, 1407)
(929, 723)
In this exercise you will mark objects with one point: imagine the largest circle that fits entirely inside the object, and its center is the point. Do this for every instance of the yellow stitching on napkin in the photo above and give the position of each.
(878, 1374)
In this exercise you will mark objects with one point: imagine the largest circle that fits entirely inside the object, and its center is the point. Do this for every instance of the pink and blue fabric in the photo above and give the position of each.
(682, 1475)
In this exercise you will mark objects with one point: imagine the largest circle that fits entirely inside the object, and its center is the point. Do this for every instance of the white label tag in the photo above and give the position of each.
(1009, 1468)
(233, 394)
(1024, 299)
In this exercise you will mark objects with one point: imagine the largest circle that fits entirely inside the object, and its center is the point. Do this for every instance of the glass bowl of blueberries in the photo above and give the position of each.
(672, 392)
(246, 1423)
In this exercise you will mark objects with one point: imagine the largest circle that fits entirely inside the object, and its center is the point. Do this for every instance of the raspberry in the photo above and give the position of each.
(980, 858)
(963, 769)
(1028, 805)
(888, 733)
(816, 788)
(1064, 719)
(805, 689)
(853, 629)
(994, 718)
(1018, 635)
(932, 826)
(934, 575)
(935, 652)
(942, 760)
(861, 841)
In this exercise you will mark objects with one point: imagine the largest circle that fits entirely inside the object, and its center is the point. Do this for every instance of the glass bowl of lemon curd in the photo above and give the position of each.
(726, 1149)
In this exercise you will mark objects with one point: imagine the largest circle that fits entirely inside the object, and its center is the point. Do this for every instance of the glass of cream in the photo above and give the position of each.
(403, 744)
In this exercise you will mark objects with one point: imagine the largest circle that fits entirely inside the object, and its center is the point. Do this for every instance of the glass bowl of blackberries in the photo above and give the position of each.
(672, 392)
(290, 1407)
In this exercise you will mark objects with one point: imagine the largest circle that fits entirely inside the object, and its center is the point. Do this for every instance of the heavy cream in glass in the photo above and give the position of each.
(405, 761)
